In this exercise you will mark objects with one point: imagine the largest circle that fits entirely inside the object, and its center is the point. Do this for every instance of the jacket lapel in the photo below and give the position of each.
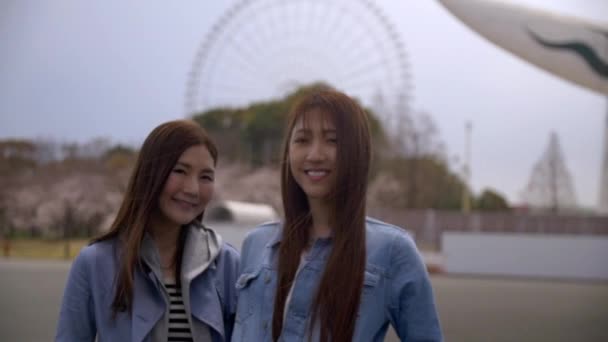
(148, 306)
(205, 301)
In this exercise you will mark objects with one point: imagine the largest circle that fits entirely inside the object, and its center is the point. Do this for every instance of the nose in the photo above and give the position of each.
(316, 152)
(191, 186)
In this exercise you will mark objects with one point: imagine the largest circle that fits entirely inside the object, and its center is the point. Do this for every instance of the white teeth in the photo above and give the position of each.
(316, 173)
(186, 202)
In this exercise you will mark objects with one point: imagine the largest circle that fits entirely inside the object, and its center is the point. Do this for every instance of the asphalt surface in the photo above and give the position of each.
(471, 309)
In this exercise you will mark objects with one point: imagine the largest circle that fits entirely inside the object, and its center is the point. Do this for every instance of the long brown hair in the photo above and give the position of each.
(157, 157)
(337, 299)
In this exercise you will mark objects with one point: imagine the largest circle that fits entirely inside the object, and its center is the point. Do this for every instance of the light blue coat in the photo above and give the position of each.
(396, 289)
(208, 287)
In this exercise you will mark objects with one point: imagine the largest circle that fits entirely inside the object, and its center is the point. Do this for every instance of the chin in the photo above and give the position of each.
(181, 220)
(317, 195)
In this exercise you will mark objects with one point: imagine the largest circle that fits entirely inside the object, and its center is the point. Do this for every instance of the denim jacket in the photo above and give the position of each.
(209, 271)
(396, 288)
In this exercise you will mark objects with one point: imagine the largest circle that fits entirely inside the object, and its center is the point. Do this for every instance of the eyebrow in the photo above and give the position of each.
(188, 166)
(308, 130)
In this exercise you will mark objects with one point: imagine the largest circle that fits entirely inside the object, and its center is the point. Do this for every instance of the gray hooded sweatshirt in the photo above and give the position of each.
(202, 246)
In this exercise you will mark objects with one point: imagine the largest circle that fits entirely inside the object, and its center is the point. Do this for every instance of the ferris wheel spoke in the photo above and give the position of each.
(316, 25)
(262, 36)
(359, 42)
(310, 15)
(274, 18)
(222, 80)
(362, 50)
(359, 46)
(363, 70)
(238, 61)
(332, 20)
(231, 86)
(246, 57)
(280, 33)
(267, 28)
(244, 48)
(251, 38)
(256, 53)
(252, 33)
(261, 49)
(260, 16)
(296, 15)
(286, 15)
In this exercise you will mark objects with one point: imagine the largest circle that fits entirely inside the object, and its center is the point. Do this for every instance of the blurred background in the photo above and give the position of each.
(497, 168)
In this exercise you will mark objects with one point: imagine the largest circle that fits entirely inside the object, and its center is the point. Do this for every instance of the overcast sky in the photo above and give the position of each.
(75, 70)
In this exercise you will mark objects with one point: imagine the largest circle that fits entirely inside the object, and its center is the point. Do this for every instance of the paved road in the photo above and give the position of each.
(471, 309)
(30, 294)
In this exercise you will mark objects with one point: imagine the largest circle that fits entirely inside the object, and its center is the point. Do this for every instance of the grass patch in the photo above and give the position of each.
(42, 249)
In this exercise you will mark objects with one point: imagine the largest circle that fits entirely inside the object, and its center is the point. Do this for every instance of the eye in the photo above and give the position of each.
(180, 171)
(332, 140)
(300, 140)
(207, 178)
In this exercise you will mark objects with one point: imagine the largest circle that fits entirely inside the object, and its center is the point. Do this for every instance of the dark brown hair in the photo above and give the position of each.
(157, 157)
(337, 299)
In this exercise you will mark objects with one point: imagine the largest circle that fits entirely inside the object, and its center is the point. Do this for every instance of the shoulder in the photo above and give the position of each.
(93, 264)
(228, 252)
(262, 234)
(257, 241)
(97, 252)
(385, 233)
(389, 243)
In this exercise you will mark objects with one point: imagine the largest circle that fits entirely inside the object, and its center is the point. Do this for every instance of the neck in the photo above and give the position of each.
(165, 238)
(319, 210)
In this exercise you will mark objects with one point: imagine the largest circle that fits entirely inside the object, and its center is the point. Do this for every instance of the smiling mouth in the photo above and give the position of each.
(185, 203)
(316, 175)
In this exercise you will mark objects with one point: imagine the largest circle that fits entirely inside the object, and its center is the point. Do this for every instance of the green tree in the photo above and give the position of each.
(253, 135)
(491, 200)
(423, 182)
(16, 156)
(119, 157)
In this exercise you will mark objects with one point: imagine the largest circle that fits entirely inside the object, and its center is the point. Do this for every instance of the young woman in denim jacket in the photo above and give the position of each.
(327, 272)
(158, 274)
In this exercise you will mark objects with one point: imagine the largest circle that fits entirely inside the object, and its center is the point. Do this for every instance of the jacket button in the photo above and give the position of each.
(265, 325)
(267, 279)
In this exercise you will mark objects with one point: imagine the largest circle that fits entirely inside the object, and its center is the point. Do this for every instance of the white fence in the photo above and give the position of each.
(526, 255)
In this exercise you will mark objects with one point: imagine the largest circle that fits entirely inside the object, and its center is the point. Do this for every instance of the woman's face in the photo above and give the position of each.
(312, 154)
(189, 186)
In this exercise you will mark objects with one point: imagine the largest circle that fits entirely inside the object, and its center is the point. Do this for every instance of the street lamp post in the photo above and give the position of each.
(466, 194)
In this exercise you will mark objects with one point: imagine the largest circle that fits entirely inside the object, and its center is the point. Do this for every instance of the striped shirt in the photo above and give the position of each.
(179, 328)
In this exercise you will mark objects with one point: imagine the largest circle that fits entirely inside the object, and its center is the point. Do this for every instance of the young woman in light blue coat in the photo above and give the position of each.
(328, 273)
(158, 274)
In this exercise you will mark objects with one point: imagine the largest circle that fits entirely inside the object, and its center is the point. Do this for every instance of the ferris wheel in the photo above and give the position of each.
(263, 49)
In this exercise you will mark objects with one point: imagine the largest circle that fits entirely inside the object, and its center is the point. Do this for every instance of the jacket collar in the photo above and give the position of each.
(276, 238)
(201, 248)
